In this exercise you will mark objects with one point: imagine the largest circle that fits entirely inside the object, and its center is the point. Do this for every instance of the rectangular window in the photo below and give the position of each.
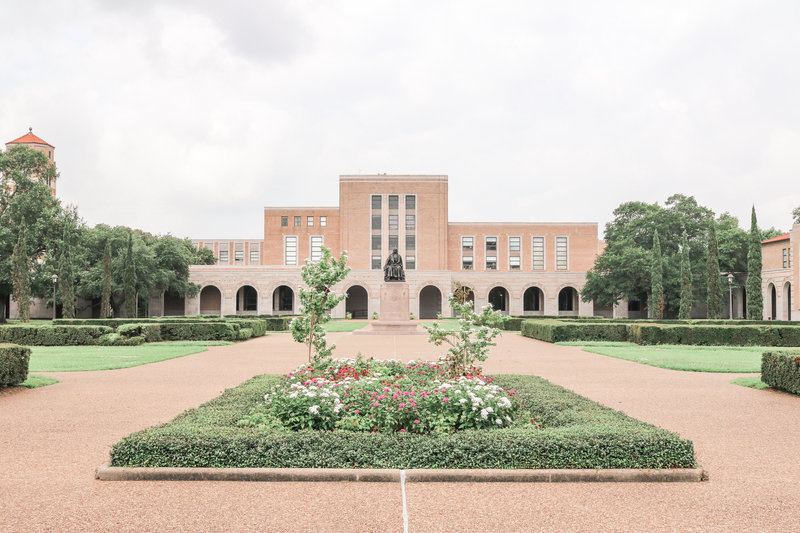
(513, 262)
(376, 262)
(376, 242)
(411, 242)
(238, 256)
(392, 242)
(562, 253)
(394, 223)
(466, 262)
(209, 245)
(513, 244)
(467, 244)
(323, 221)
(491, 262)
(255, 257)
(284, 221)
(790, 258)
(297, 222)
(785, 259)
(411, 222)
(467, 252)
(538, 253)
(376, 222)
(223, 256)
(491, 244)
(309, 221)
(411, 262)
(411, 202)
(376, 202)
(290, 250)
(393, 201)
(514, 254)
(316, 248)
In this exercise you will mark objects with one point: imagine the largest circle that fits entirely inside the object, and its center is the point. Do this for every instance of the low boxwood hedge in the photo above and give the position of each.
(573, 432)
(716, 335)
(53, 335)
(115, 339)
(557, 331)
(14, 361)
(781, 370)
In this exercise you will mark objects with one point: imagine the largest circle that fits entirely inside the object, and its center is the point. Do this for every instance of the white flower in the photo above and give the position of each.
(293, 395)
(504, 402)
(266, 397)
(484, 414)
(338, 407)
(508, 418)
(462, 400)
(489, 410)
(499, 422)
(314, 409)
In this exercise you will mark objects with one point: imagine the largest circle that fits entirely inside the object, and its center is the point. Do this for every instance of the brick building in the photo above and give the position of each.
(520, 268)
(779, 272)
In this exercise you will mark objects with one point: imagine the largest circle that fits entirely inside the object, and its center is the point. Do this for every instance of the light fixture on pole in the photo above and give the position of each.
(730, 293)
(55, 280)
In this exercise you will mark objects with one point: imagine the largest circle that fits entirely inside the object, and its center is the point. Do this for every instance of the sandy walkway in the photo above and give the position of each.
(52, 439)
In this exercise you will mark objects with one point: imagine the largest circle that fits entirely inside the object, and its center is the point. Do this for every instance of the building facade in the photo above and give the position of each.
(518, 268)
(779, 275)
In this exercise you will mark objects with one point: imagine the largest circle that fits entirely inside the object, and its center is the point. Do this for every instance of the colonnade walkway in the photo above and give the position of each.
(52, 439)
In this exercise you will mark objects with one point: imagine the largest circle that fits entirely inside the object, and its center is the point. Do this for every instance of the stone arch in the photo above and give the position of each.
(210, 300)
(568, 301)
(283, 300)
(533, 301)
(430, 302)
(357, 301)
(787, 300)
(772, 304)
(246, 300)
(498, 299)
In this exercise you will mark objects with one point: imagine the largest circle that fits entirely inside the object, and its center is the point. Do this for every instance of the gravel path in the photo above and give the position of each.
(53, 438)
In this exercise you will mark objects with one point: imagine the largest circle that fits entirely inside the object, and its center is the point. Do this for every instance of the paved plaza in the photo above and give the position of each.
(52, 440)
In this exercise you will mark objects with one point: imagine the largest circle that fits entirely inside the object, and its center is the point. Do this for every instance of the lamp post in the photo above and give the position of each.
(730, 293)
(55, 280)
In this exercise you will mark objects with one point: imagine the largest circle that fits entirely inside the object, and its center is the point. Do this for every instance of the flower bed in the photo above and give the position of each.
(386, 396)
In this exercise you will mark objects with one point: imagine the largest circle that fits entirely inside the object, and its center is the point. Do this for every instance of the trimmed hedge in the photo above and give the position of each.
(115, 339)
(14, 361)
(781, 370)
(556, 331)
(575, 433)
(764, 335)
(273, 323)
(53, 335)
(150, 332)
(512, 324)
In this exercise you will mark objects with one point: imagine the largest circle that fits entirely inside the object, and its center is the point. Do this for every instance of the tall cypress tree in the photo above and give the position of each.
(21, 276)
(713, 282)
(105, 295)
(656, 280)
(755, 298)
(66, 275)
(685, 310)
(129, 281)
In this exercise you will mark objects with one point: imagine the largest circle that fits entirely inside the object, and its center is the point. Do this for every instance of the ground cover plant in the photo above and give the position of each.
(682, 357)
(34, 381)
(80, 358)
(753, 382)
(553, 428)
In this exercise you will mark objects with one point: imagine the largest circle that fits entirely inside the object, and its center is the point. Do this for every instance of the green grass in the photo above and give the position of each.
(34, 381)
(79, 358)
(683, 357)
(752, 382)
(344, 325)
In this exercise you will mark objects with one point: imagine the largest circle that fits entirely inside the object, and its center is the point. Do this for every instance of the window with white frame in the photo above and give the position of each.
(323, 221)
(538, 253)
(411, 262)
(491, 253)
(297, 221)
(309, 221)
(467, 252)
(290, 250)
(514, 253)
(411, 202)
(393, 201)
(393, 242)
(223, 256)
(785, 259)
(255, 256)
(316, 248)
(562, 253)
(411, 242)
(394, 223)
(238, 256)
(411, 222)
(376, 262)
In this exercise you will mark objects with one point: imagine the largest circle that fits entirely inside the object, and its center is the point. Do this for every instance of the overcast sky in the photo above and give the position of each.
(189, 117)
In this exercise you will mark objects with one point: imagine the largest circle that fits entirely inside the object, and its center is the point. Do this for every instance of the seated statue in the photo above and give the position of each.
(393, 269)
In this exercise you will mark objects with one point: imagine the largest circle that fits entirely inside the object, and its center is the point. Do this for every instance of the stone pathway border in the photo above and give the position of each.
(621, 475)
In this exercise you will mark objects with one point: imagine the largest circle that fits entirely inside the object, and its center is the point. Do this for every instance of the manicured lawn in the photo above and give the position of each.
(752, 382)
(682, 357)
(78, 358)
(34, 381)
(344, 325)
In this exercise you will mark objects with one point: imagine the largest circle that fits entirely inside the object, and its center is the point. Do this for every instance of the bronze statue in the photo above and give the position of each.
(393, 269)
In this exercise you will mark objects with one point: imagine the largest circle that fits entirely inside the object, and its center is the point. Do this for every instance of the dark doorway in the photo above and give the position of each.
(357, 302)
(430, 302)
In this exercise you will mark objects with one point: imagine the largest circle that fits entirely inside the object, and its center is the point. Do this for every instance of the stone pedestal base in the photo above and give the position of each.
(391, 327)
(394, 313)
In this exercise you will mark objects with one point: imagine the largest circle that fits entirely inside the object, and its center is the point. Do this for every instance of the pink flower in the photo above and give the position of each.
(416, 421)
(445, 399)
(402, 430)
(357, 411)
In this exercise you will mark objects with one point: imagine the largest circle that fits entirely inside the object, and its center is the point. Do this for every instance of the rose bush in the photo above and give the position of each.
(386, 396)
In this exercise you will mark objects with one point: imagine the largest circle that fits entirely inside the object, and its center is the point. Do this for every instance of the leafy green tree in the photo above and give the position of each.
(105, 294)
(129, 281)
(70, 223)
(685, 310)
(656, 280)
(714, 284)
(755, 298)
(795, 215)
(316, 302)
(473, 338)
(21, 271)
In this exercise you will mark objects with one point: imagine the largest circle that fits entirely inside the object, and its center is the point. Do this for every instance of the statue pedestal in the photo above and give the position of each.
(394, 313)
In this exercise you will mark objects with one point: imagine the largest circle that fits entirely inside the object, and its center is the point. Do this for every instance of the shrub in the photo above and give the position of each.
(115, 339)
(13, 364)
(512, 324)
(53, 335)
(713, 335)
(199, 331)
(150, 332)
(557, 331)
(575, 433)
(781, 370)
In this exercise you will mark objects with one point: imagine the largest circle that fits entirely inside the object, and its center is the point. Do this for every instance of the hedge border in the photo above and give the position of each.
(781, 370)
(14, 361)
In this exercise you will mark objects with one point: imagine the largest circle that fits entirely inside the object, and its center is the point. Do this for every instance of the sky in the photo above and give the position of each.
(189, 117)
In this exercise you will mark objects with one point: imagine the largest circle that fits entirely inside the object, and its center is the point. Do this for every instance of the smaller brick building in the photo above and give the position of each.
(779, 275)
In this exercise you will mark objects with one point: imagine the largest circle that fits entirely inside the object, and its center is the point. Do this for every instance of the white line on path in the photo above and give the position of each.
(403, 492)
